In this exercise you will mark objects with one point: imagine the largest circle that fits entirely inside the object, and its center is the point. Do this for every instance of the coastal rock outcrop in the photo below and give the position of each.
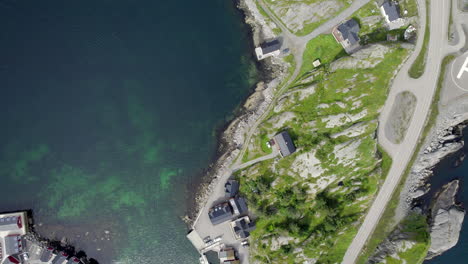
(445, 140)
(447, 219)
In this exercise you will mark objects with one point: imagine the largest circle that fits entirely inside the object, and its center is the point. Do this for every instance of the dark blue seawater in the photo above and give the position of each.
(108, 113)
(445, 172)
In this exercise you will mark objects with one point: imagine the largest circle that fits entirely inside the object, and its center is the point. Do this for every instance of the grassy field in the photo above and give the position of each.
(307, 27)
(411, 6)
(387, 222)
(417, 69)
(323, 47)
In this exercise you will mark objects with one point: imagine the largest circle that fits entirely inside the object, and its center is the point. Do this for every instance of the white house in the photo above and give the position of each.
(268, 49)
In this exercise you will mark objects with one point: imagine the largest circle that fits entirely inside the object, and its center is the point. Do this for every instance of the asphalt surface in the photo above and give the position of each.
(423, 88)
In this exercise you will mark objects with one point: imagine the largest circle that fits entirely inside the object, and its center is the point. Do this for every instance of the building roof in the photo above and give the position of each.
(11, 260)
(391, 10)
(350, 30)
(47, 255)
(227, 254)
(220, 213)
(238, 205)
(270, 46)
(231, 188)
(212, 257)
(10, 223)
(13, 245)
(285, 144)
(242, 227)
(60, 258)
(232, 262)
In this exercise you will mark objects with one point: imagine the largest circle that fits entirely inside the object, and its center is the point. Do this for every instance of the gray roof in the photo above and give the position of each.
(243, 229)
(285, 143)
(220, 213)
(9, 223)
(212, 257)
(12, 245)
(60, 258)
(350, 30)
(271, 46)
(231, 188)
(240, 205)
(391, 10)
(46, 255)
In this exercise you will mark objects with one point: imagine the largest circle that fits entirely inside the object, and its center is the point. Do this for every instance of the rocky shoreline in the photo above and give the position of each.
(274, 71)
(446, 140)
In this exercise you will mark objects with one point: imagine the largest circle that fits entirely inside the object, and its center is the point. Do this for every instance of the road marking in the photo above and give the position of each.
(458, 79)
(463, 69)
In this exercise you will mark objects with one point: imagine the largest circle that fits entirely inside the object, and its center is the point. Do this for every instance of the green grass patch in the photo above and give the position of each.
(411, 6)
(419, 65)
(323, 47)
(387, 222)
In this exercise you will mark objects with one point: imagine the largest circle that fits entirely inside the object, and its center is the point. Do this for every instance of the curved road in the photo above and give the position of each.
(424, 89)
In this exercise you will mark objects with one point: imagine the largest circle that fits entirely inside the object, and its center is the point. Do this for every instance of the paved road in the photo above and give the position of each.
(257, 160)
(423, 88)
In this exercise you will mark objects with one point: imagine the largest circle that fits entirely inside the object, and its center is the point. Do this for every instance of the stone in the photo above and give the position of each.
(447, 219)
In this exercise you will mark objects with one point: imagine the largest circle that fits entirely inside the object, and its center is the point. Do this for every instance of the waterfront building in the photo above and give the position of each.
(347, 34)
(16, 248)
(268, 49)
(220, 213)
(284, 143)
(231, 188)
(12, 228)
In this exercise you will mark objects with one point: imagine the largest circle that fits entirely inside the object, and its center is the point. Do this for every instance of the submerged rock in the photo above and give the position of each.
(447, 219)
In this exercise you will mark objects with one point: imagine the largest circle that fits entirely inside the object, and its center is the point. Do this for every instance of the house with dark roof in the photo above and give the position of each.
(220, 213)
(284, 143)
(391, 13)
(239, 206)
(268, 49)
(347, 34)
(242, 227)
(231, 188)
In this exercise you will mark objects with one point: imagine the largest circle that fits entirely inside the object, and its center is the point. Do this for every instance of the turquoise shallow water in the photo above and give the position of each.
(108, 115)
